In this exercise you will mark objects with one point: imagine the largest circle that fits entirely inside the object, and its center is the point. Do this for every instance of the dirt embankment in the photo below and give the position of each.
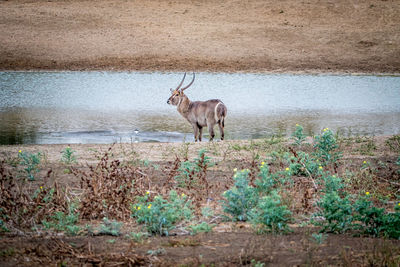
(368, 165)
(227, 35)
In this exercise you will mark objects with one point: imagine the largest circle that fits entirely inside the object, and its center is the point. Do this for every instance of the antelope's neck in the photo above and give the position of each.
(183, 106)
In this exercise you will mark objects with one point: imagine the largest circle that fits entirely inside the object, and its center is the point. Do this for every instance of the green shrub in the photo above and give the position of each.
(110, 227)
(3, 225)
(341, 214)
(394, 143)
(30, 162)
(298, 136)
(318, 238)
(260, 204)
(326, 146)
(64, 222)
(193, 172)
(302, 164)
(270, 215)
(68, 156)
(201, 228)
(391, 224)
(374, 221)
(337, 213)
(240, 199)
(137, 237)
(267, 181)
(160, 215)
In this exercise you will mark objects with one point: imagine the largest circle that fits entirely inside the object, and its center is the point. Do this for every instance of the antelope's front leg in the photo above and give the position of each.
(200, 133)
(196, 132)
(211, 131)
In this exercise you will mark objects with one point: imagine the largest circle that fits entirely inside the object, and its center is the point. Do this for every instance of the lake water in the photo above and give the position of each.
(106, 107)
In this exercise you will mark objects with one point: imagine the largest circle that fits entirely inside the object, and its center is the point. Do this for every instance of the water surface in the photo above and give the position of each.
(106, 107)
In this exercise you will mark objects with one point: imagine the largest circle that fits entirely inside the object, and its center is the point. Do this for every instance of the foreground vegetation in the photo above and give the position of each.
(326, 185)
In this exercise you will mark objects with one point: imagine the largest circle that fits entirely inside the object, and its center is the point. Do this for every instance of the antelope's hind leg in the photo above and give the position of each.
(200, 132)
(221, 129)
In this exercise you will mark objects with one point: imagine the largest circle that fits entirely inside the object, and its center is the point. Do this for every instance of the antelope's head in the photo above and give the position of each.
(177, 95)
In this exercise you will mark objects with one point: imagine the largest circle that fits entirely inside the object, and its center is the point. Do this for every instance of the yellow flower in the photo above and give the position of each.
(398, 204)
(183, 194)
(138, 208)
(147, 192)
(320, 167)
(364, 162)
(20, 151)
(235, 169)
(287, 169)
(297, 124)
(149, 206)
(41, 187)
(262, 163)
(367, 193)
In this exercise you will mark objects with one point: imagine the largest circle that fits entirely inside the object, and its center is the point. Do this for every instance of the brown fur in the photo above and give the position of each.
(200, 113)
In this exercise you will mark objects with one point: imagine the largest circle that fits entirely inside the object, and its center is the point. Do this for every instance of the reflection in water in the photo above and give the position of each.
(49, 126)
(13, 128)
(97, 107)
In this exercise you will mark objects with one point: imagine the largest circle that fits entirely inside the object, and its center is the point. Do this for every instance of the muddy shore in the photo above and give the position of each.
(234, 36)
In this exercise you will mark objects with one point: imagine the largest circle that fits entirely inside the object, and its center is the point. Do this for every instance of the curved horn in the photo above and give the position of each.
(181, 82)
(189, 83)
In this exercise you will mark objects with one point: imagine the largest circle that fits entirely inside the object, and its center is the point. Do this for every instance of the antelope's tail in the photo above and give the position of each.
(220, 113)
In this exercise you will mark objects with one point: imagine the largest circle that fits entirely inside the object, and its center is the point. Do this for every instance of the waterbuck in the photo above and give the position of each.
(199, 113)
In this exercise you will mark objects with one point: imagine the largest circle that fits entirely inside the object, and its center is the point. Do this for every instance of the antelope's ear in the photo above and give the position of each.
(171, 90)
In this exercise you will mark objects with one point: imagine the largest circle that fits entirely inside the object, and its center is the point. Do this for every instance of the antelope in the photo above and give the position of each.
(199, 113)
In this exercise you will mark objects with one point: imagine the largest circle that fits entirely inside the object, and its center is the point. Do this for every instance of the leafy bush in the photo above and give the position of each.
(30, 161)
(341, 213)
(201, 228)
(241, 198)
(318, 238)
(137, 237)
(191, 173)
(267, 181)
(110, 227)
(160, 215)
(326, 146)
(394, 143)
(301, 163)
(68, 156)
(375, 221)
(270, 214)
(391, 224)
(64, 222)
(298, 136)
(260, 204)
(337, 212)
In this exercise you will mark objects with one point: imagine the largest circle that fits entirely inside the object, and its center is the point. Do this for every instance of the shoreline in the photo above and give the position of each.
(149, 71)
